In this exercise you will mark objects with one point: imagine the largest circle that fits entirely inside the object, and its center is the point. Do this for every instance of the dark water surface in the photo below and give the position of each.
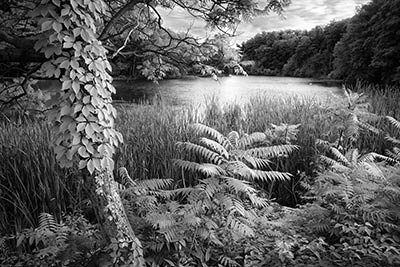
(237, 89)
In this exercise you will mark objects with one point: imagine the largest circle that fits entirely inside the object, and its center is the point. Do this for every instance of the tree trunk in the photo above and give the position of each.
(125, 248)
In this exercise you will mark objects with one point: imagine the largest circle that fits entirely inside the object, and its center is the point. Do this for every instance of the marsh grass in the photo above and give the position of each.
(31, 181)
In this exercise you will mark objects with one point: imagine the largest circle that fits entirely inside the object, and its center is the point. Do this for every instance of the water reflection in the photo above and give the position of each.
(227, 89)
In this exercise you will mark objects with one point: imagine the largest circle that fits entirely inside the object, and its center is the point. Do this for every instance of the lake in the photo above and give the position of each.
(195, 90)
(227, 89)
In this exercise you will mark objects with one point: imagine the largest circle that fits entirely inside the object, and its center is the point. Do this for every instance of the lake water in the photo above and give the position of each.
(238, 89)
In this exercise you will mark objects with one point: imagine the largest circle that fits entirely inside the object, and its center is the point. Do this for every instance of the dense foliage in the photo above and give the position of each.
(217, 207)
(364, 47)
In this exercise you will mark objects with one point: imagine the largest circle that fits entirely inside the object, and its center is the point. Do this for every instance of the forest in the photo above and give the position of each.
(85, 181)
(364, 47)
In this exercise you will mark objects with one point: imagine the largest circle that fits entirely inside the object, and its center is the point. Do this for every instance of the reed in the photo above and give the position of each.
(32, 182)
(30, 179)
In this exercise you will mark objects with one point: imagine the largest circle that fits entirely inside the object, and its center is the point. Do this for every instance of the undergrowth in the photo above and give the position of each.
(337, 162)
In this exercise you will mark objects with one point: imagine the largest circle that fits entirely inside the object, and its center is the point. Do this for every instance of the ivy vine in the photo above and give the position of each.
(84, 122)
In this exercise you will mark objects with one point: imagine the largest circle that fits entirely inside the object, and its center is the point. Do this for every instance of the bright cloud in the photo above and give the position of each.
(301, 14)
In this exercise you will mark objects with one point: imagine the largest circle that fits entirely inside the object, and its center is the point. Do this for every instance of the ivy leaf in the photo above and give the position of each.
(90, 166)
(82, 152)
(82, 163)
(80, 127)
(46, 25)
(57, 26)
(66, 85)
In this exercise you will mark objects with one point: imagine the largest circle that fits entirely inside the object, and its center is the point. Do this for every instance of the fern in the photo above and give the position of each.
(201, 129)
(272, 151)
(251, 140)
(207, 154)
(47, 223)
(228, 262)
(215, 146)
(393, 121)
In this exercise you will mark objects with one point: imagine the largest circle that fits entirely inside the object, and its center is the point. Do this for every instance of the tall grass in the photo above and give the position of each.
(384, 100)
(31, 181)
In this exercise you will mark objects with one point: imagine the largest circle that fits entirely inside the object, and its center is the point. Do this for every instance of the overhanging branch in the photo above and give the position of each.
(20, 55)
(117, 15)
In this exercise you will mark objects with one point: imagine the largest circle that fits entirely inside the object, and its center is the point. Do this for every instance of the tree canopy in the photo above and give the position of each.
(364, 47)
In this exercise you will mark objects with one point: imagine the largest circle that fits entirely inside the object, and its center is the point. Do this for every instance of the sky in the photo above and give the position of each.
(300, 15)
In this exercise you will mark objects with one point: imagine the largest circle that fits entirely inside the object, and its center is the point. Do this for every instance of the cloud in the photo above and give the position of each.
(300, 15)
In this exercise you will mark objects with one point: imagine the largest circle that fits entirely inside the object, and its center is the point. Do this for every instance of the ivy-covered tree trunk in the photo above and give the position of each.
(84, 123)
(125, 248)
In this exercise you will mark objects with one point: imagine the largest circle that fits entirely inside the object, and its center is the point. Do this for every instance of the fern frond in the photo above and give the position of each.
(372, 156)
(215, 146)
(369, 127)
(209, 186)
(238, 168)
(271, 151)
(256, 163)
(227, 261)
(339, 156)
(371, 169)
(201, 129)
(251, 140)
(233, 138)
(185, 165)
(47, 223)
(171, 234)
(272, 233)
(329, 161)
(258, 201)
(269, 176)
(154, 184)
(239, 185)
(323, 143)
(393, 121)
(387, 226)
(191, 219)
(209, 170)
(392, 140)
(161, 221)
(394, 155)
(124, 177)
(322, 227)
(207, 154)
(239, 227)
(238, 208)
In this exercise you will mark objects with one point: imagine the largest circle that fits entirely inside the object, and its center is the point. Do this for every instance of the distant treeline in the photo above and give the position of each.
(365, 47)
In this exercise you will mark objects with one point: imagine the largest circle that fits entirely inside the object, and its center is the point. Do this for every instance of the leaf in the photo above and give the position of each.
(201, 129)
(46, 25)
(82, 152)
(206, 153)
(90, 166)
(57, 26)
(393, 121)
(66, 85)
(82, 163)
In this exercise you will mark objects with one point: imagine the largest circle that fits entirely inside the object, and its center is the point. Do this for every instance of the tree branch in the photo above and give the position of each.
(23, 43)
(119, 14)
(20, 55)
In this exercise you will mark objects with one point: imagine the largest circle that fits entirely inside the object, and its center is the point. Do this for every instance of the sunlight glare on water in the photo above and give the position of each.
(238, 89)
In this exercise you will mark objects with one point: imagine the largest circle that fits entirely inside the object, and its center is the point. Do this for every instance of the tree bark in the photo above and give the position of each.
(123, 242)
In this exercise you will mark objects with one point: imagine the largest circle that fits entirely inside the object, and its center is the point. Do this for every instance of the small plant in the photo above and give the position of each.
(394, 153)
(65, 243)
